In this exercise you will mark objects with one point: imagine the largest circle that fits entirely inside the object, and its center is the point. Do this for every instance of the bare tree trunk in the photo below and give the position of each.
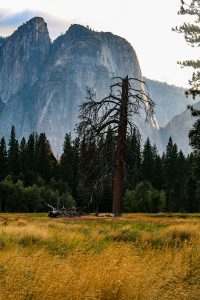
(121, 150)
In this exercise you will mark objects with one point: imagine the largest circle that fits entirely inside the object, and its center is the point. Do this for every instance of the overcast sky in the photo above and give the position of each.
(145, 24)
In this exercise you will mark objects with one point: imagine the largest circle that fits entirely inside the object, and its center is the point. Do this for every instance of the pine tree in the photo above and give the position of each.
(88, 172)
(29, 160)
(182, 176)
(69, 163)
(104, 173)
(75, 147)
(66, 161)
(191, 33)
(158, 180)
(108, 152)
(13, 153)
(148, 156)
(171, 174)
(194, 137)
(43, 157)
(31, 152)
(133, 160)
(3, 159)
(22, 156)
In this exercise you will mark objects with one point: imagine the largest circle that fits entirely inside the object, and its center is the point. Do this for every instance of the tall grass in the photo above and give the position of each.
(128, 258)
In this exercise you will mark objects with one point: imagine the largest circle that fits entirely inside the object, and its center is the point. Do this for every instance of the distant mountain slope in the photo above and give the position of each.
(169, 100)
(178, 128)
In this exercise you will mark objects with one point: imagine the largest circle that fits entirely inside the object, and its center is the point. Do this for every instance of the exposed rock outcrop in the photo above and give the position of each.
(22, 56)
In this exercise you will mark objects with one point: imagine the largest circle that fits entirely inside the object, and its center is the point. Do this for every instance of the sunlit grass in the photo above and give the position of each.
(133, 257)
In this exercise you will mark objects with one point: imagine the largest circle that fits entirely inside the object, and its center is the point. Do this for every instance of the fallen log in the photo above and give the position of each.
(64, 212)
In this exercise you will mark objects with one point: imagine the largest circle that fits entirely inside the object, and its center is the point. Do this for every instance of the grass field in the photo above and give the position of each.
(133, 257)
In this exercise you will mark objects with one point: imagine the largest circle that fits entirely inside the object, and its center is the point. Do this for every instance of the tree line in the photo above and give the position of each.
(31, 176)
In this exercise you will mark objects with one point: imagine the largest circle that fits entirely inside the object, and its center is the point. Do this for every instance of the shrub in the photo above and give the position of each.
(145, 198)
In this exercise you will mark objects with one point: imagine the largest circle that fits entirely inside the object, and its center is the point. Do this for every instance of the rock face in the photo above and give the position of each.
(43, 83)
(2, 40)
(80, 58)
(22, 56)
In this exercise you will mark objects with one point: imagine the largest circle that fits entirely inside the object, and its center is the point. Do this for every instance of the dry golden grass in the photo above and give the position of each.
(141, 257)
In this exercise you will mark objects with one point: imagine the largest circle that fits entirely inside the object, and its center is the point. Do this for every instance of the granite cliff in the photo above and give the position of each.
(22, 56)
(42, 83)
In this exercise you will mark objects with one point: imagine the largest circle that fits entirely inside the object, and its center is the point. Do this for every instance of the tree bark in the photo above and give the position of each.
(121, 150)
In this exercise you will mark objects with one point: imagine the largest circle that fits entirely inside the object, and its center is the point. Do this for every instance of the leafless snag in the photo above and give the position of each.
(126, 99)
(64, 212)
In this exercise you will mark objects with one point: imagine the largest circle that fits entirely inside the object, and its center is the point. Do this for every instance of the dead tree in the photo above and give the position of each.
(64, 212)
(126, 99)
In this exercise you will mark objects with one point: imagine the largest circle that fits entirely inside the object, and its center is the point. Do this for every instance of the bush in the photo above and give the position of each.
(129, 202)
(67, 200)
(145, 198)
(14, 197)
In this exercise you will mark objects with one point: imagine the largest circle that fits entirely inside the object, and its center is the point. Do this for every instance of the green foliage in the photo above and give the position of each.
(133, 160)
(152, 165)
(148, 157)
(145, 198)
(191, 33)
(15, 197)
(129, 202)
(3, 159)
(69, 163)
(33, 198)
(13, 153)
(43, 157)
(194, 137)
(171, 173)
(84, 176)
(67, 200)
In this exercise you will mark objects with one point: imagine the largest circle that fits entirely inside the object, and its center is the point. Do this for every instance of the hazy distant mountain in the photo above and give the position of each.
(178, 128)
(42, 83)
(169, 99)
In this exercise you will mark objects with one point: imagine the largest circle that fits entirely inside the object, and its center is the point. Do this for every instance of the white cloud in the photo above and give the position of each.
(10, 21)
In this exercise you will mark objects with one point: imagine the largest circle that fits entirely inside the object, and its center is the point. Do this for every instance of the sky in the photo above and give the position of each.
(146, 24)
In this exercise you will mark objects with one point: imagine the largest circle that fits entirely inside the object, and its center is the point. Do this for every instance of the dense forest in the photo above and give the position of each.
(31, 176)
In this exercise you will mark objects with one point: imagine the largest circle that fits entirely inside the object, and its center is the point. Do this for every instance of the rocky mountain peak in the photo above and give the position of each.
(78, 30)
(22, 56)
(35, 30)
(38, 21)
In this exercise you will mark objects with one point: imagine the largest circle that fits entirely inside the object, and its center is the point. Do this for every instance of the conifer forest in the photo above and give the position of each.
(32, 176)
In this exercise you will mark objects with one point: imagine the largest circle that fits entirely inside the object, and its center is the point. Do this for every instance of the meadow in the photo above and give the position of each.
(132, 257)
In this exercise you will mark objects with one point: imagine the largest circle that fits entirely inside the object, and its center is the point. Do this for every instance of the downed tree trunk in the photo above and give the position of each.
(64, 212)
